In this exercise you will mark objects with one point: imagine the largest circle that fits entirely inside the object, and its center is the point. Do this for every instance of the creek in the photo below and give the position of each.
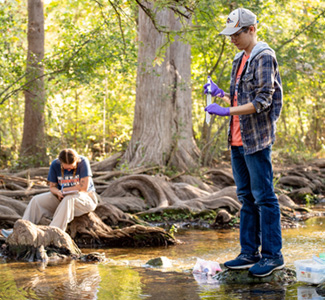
(125, 277)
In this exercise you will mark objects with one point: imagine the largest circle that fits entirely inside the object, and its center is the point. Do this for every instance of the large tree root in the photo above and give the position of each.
(90, 231)
(30, 242)
(181, 198)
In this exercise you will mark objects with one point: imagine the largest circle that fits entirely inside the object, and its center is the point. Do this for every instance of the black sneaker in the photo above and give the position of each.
(266, 266)
(243, 261)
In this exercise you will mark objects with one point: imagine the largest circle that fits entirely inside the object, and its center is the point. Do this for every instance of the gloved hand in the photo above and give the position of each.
(215, 90)
(216, 109)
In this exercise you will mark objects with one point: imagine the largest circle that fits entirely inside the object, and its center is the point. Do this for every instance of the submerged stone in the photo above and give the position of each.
(93, 257)
(161, 261)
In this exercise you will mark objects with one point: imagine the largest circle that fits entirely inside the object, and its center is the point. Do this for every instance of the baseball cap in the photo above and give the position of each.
(237, 19)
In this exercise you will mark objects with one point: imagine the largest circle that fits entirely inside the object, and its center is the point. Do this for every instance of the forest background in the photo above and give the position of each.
(86, 84)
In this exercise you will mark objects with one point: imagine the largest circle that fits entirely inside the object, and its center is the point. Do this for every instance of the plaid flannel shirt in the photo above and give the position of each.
(259, 84)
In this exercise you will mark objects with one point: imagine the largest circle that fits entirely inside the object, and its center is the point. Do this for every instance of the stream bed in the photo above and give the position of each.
(125, 275)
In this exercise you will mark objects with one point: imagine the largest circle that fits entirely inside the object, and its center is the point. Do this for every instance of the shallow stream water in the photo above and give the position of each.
(125, 277)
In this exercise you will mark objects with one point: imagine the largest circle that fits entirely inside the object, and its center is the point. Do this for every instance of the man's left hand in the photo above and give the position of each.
(215, 109)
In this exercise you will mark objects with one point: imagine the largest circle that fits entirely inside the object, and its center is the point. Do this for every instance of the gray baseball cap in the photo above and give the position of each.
(240, 17)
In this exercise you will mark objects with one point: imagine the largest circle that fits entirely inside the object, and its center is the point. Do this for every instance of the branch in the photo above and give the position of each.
(119, 24)
(24, 86)
(300, 32)
(151, 15)
(9, 87)
(219, 58)
(119, 20)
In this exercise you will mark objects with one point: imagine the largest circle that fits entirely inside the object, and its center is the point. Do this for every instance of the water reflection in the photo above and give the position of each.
(308, 292)
(254, 292)
(168, 285)
(120, 283)
(59, 281)
(126, 279)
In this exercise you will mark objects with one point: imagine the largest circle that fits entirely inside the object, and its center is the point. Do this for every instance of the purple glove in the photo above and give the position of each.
(215, 90)
(216, 109)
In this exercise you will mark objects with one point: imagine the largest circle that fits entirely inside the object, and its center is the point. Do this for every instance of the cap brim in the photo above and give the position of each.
(229, 31)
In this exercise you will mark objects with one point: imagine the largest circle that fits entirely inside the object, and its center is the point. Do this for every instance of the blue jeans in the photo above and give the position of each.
(260, 224)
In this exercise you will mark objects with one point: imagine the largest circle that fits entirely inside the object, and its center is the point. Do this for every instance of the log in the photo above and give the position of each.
(22, 183)
(42, 171)
(108, 163)
(24, 193)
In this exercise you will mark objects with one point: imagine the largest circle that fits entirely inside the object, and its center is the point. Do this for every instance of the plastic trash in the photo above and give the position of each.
(6, 232)
(318, 260)
(206, 266)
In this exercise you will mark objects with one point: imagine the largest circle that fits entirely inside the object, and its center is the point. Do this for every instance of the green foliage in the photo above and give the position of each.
(173, 230)
(234, 221)
(91, 62)
(90, 68)
(310, 200)
(295, 30)
(179, 215)
(12, 63)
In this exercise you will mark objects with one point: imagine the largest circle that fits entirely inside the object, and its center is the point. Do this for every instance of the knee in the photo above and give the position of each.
(66, 201)
(268, 202)
(33, 200)
(246, 198)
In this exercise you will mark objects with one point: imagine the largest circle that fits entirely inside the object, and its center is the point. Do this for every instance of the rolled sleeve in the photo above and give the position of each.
(265, 78)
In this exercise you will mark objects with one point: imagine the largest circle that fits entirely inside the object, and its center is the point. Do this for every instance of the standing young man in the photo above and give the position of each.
(256, 101)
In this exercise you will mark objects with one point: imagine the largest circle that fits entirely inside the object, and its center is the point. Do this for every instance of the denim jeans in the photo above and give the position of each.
(260, 224)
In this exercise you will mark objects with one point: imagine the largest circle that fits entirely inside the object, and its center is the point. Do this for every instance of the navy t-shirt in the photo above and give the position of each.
(83, 170)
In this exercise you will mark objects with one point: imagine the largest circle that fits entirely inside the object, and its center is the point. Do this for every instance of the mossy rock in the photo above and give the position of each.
(161, 261)
(244, 277)
(320, 289)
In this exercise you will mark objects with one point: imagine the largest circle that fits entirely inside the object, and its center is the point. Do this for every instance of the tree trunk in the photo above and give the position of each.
(162, 128)
(33, 137)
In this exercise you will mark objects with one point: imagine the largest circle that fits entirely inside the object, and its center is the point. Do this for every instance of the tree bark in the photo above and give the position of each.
(162, 127)
(33, 136)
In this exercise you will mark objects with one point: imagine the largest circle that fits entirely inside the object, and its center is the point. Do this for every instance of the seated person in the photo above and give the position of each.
(72, 192)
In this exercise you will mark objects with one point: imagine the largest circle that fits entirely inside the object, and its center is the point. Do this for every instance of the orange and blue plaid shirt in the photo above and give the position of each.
(259, 84)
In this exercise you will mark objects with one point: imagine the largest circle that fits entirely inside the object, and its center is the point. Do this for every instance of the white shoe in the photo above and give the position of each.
(6, 232)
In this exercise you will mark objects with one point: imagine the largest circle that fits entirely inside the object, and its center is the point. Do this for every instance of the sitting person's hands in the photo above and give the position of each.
(215, 109)
(59, 195)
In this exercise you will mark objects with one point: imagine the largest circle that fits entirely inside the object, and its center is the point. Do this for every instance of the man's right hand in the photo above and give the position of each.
(215, 90)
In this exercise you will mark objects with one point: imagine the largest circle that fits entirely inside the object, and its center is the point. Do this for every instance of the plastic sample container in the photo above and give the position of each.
(310, 271)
